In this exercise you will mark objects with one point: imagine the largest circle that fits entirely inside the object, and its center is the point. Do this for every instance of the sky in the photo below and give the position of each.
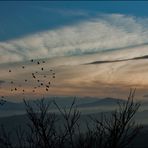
(73, 38)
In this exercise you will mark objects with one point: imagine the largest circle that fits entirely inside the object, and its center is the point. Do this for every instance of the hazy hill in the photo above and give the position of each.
(64, 102)
(102, 102)
(86, 105)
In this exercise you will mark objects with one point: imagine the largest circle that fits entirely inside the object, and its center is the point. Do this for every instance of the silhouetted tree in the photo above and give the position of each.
(71, 117)
(5, 138)
(119, 129)
(116, 130)
(42, 127)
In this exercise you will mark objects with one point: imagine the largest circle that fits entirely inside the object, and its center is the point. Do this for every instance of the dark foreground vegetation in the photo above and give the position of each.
(45, 130)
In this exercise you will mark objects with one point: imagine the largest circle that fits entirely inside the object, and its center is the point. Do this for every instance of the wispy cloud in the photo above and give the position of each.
(105, 32)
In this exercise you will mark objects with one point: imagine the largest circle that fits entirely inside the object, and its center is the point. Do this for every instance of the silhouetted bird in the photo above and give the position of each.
(2, 102)
(37, 75)
(33, 75)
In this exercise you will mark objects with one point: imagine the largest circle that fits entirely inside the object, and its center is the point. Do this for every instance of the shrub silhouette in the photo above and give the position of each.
(70, 120)
(118, 130)
(42, 127)
(46, 131)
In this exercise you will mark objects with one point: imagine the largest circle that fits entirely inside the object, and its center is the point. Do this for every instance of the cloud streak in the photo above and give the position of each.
(105, 32)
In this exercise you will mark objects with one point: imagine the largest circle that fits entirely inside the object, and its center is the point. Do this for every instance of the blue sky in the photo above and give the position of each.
(22, 18)
(50, 29)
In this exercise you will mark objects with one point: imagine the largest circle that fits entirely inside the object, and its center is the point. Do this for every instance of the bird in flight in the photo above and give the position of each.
(41, 75)
(2, 102)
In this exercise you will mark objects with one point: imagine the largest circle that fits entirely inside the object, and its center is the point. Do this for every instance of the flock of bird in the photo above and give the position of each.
(40, 79)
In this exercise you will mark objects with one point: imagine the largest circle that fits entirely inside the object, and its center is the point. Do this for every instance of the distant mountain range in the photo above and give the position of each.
(102, 102)
(64, 102)
(86, 105)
